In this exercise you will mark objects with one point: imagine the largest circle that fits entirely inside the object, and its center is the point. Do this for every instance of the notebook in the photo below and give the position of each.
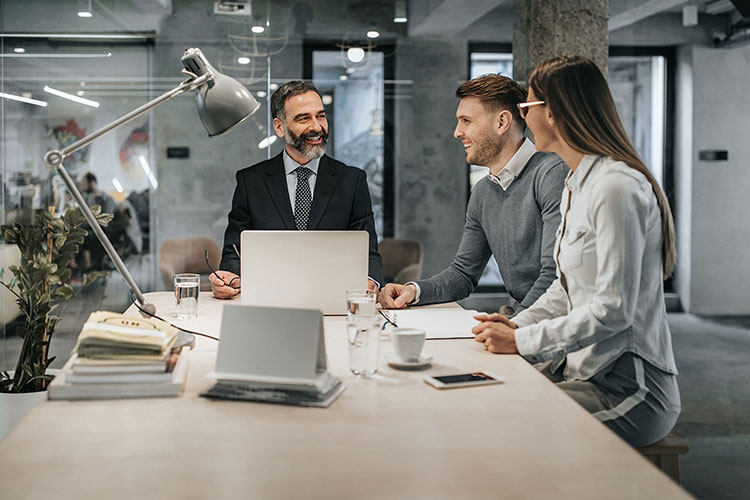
(272, 354)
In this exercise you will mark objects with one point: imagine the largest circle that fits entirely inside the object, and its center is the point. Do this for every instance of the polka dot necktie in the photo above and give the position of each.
(303, 198)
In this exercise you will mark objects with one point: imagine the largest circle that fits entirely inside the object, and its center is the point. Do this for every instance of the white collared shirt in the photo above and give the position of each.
(608, 298)
(515, 165)
(291, 176)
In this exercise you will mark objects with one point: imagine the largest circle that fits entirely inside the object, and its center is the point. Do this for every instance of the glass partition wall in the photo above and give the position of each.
(389, 96)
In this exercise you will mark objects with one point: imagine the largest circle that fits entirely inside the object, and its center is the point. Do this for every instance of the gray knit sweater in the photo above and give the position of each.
(517, 226)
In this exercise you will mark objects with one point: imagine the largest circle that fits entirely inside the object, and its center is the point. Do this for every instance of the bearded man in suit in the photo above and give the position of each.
(301, 188)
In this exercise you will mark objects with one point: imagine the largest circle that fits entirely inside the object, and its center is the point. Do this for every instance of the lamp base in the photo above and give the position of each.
(147, 310)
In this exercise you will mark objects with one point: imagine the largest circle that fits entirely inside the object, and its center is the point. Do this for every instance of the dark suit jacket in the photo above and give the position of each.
(261, 201)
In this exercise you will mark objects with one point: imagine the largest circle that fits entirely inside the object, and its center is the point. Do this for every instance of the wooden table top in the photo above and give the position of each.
(389, 436)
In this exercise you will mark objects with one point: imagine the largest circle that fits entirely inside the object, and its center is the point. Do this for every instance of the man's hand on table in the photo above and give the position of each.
(372, 285)
(394, 296)
(496, 332)
(224, 284)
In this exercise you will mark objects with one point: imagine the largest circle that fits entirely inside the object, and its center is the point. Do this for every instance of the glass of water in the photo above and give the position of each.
(360, 302)
(186, 290)
(363, 331)
(364, 345)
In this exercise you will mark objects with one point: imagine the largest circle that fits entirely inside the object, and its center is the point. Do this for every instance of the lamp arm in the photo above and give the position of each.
(104, 240)
(54, 159)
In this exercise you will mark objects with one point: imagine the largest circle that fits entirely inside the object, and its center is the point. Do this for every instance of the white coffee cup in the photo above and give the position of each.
(407, 343)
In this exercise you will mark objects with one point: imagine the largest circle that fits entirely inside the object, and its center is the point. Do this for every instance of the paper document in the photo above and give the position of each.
(446, 323)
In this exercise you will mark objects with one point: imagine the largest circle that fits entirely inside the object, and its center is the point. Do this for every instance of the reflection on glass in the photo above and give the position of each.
(638, 85)
(354, 107)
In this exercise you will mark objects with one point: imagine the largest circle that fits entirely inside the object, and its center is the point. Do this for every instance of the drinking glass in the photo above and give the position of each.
(364, 345)
(186, 290)
(363, 331)
(360, 302)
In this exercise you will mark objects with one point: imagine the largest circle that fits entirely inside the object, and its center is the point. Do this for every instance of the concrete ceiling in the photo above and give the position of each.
(448, 17)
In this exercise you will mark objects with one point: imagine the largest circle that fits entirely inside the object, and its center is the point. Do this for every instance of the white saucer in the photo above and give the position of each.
(425, 360)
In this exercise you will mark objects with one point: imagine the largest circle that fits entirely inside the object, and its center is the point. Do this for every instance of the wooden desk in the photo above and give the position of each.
(391, 436)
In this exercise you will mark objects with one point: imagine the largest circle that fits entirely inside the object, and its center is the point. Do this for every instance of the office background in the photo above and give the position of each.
(391, 112)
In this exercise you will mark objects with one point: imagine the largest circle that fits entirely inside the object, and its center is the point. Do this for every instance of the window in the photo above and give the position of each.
(639, 79)
(359, 117)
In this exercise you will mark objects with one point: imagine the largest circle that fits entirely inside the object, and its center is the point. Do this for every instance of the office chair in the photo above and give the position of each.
(402, 260)
(185, 255)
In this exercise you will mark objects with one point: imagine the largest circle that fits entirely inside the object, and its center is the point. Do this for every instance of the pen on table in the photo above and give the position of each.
(389, 320)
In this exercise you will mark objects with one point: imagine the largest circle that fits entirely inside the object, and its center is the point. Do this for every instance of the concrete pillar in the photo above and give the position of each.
(545, 29)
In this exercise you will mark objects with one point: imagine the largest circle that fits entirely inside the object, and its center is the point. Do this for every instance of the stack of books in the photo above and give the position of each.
(122, 357)
(320, 392)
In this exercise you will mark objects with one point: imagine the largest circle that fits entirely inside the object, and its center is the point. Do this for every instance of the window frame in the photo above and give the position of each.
(670, 57)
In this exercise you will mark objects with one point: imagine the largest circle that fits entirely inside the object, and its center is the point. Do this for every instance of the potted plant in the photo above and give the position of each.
(39, 284)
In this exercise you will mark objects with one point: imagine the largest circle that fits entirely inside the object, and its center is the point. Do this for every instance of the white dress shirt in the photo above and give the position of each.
(608, 298)
(504, 178)
(291, 176)
(515, 165)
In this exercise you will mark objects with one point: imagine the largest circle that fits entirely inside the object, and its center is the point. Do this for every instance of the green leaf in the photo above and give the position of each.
(64, 292)
(90, 278)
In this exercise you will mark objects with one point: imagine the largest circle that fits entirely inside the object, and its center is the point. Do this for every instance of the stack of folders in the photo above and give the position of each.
(320, 391)
(118, 356)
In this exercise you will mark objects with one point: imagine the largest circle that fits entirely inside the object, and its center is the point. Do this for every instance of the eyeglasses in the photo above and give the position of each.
(205, 254)
(523, 107)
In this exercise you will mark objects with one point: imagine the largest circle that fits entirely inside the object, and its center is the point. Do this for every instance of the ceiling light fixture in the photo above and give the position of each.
(71, 97)
(86, 13)
(327, 99)
(257, 29)
(355, 54)
(27, 100)
(19, 50)
(149, 173)
(117, 185)
(343, 78)
(373, 34)
(57, 56)
(267, 141)
(261, 93)
(243, 60)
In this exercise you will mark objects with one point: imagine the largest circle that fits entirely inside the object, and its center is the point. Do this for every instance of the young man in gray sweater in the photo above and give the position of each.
(513, 213)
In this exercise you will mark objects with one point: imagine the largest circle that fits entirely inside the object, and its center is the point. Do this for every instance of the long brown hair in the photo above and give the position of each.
(579, 99)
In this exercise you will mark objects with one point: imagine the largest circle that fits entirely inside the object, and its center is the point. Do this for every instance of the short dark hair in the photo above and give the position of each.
(497, 92)
(286, 91)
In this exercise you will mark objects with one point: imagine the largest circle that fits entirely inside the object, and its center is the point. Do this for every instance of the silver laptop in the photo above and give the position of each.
(303, 269)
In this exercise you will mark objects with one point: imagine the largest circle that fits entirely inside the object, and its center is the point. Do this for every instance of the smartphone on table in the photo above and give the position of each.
(463, 380)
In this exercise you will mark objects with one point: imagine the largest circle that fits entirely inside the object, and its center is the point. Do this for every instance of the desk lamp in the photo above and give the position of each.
(223, 103)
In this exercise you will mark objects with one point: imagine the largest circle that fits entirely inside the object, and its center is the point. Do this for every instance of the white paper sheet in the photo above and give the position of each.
(451, 323)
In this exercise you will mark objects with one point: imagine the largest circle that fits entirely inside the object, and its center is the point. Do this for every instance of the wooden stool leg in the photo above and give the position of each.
(670, 464)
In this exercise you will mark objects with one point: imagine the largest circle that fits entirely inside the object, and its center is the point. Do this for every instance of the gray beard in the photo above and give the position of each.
(309, 151)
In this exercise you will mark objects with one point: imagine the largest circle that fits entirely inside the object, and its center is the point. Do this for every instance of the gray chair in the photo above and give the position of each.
(185, 255)
(402, 260)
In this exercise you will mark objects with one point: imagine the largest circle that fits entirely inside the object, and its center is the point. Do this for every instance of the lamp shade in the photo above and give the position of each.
(223, 102)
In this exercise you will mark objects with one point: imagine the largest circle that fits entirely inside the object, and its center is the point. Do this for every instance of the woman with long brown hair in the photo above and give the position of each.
(600, 331)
